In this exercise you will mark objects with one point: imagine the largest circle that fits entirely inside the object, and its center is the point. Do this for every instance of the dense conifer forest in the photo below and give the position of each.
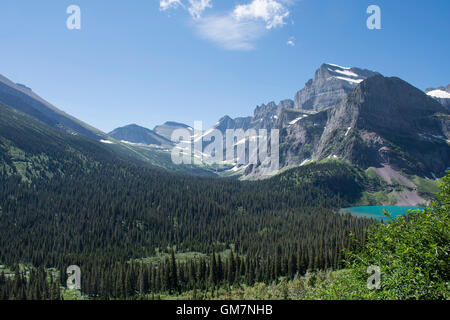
(141, 232)
(118, 212)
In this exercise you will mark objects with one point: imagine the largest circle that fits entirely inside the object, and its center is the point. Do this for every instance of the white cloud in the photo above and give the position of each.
(168, 4)
(271, 12)
(195, 7)
(198, 6)
(239, 28)
(230, 33)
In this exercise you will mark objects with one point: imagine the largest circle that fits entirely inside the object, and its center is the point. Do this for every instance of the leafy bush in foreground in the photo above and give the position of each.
(413, 254)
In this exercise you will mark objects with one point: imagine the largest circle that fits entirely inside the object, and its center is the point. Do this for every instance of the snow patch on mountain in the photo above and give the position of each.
(350, 80)
(345, 72)
(439, 94)
(106, 142)
(297, 120)
(335, 65)
(348, 131)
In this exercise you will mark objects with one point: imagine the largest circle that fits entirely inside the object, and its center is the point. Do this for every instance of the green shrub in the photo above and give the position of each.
(413, 254)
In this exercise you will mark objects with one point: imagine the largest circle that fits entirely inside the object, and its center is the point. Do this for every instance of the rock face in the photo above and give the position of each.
(226, 123)
(441, 94)
(265, 117)
(382, 123)
(386, 121)
(330, 85)
(359, 116)
(140, 135)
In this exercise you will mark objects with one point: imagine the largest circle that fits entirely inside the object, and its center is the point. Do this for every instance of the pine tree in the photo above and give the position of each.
(173, 272)
(213, 269)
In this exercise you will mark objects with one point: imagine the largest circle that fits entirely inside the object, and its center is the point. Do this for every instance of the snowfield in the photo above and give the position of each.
(439, 94)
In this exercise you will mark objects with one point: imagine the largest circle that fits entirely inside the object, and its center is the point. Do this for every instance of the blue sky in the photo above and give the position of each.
(150, 61)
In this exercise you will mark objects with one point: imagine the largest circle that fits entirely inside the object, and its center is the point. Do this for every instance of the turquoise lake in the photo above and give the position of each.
(375, 212)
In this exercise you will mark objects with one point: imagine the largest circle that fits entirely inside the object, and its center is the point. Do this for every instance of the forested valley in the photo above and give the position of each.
(140, 232)
(106, 220)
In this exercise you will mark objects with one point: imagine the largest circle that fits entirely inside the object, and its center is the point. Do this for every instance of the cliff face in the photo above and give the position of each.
(383, 122)
(330, 85)
(359, 116)
(386, 121)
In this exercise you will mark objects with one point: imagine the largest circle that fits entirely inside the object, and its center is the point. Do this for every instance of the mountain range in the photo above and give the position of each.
(382, 125)
(359, 116)
(32, 129)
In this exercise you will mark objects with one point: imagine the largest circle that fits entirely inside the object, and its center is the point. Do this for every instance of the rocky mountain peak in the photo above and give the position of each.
(264, 110)
(387, 121)
(330, 85)
(288, 103)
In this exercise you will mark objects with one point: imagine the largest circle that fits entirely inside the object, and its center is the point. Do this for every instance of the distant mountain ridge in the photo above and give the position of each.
(26, 105)
(347, 113)
(24, 99)
(330, 85)
(139, 135)
(405, 128)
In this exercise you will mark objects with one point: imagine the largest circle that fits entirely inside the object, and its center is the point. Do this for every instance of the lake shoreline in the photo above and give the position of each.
(376, 212)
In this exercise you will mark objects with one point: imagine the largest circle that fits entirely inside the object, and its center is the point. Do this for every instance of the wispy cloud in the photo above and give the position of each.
(291, 42)
(230, 33)
(239, 28)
